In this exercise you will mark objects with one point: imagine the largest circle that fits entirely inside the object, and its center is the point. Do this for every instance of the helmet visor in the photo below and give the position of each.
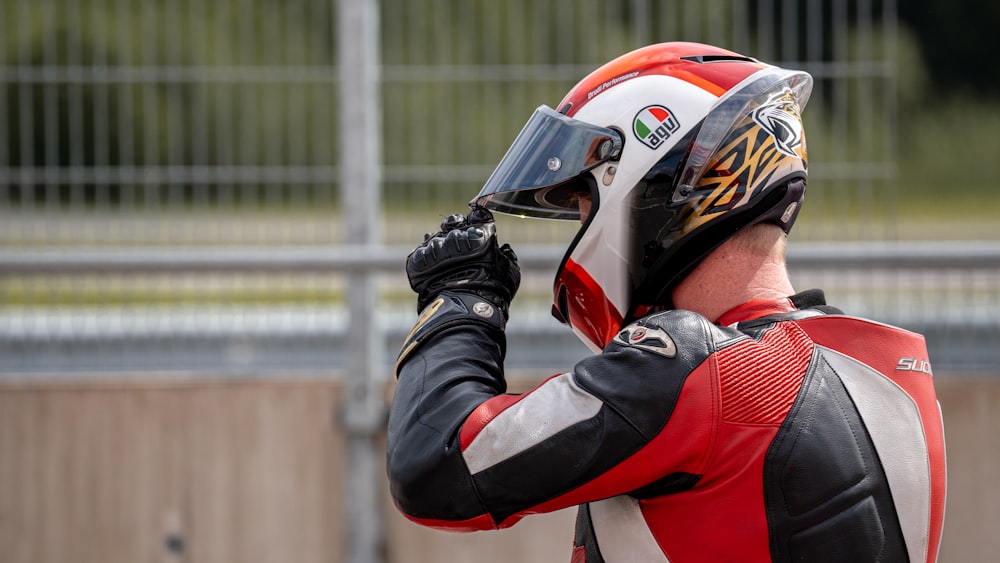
(550, 150)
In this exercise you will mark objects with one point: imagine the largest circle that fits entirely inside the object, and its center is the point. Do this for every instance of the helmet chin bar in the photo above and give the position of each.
(581, 303)
(578, 299)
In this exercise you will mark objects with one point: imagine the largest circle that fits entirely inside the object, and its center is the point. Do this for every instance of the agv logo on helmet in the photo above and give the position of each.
(653, 125)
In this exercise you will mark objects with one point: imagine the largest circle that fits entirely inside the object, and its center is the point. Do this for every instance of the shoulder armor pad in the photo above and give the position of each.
(651, 339)
(662, 333)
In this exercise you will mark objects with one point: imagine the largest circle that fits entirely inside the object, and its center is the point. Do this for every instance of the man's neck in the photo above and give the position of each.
(732, 275)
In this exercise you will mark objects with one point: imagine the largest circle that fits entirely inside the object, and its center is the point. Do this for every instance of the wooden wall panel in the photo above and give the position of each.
(971, 411)
(193, 472)
(269, 474)
(251, 471)
(86, 474)
(541, 538)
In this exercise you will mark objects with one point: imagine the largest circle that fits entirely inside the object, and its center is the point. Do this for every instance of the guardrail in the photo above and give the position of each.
(281, 339)
(355, 258)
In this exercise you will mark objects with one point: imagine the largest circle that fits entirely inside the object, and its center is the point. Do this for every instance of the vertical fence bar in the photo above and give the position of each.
(363, 411)
(74, 91)
(890, 101)
(149, 56)
(51, 112)
(100, 136)
(123, 105)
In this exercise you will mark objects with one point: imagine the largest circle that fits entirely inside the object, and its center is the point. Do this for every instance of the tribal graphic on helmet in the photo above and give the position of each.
(678, 146)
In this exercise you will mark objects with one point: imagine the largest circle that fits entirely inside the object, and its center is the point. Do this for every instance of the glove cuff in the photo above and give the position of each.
(448, 309)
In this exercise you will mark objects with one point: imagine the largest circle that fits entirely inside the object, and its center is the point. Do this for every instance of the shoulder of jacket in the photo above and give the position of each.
(667, 332)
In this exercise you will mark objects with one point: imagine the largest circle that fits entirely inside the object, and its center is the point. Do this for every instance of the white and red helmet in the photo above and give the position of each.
(679, 145)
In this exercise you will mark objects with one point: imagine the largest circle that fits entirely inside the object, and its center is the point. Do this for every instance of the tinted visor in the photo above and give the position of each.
(550, 151)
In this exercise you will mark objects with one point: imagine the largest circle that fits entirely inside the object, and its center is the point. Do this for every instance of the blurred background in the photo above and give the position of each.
(205, 206)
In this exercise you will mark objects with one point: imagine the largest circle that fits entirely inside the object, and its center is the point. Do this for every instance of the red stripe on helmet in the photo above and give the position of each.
(665, 59)
(589, 310)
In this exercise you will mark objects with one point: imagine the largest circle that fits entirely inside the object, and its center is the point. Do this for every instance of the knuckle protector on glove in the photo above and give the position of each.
(464, 256)
(447, 310)
(445, 249)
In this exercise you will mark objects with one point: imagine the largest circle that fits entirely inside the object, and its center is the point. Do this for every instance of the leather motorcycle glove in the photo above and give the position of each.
(464, 256)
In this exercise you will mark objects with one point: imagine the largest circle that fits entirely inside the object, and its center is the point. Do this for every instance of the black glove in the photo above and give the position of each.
(464, 256)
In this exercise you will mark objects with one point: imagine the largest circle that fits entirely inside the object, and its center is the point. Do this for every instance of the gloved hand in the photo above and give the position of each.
(464, 256)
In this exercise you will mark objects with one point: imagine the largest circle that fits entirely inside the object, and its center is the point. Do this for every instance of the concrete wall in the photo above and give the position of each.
(251, 471)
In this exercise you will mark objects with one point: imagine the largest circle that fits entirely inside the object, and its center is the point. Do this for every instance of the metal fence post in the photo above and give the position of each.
(360, 160)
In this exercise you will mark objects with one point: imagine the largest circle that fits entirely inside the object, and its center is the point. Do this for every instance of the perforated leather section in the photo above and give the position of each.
(760, 379)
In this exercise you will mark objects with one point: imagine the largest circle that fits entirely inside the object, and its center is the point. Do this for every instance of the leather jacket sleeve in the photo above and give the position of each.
(440, 382)
(463, 454)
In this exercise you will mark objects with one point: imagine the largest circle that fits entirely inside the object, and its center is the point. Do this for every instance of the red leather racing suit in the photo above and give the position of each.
(784, 432)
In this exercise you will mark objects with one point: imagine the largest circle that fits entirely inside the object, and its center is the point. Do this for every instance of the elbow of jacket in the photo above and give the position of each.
(399, 482)
(435, 490)
(399, 487)
(449, 511)
(408, 481)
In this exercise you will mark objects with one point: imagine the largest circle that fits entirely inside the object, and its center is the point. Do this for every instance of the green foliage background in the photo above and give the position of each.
(252, 83)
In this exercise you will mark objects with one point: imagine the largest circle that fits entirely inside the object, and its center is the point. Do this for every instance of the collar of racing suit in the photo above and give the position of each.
(764, 307)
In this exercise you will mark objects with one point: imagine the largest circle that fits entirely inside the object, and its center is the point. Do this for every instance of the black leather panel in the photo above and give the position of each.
(855, 534)
(585, 536)
(826, 494)
(671, 484)
(825, 458)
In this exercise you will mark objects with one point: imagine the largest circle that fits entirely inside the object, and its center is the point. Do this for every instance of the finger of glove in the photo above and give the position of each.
(480, 215)
(507, 251)
(510, 267)
(453, 221)
(422, 257)
(470, 241)
(443, 250)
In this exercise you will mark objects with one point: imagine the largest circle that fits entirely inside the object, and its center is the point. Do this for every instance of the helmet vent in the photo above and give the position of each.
(704, 59)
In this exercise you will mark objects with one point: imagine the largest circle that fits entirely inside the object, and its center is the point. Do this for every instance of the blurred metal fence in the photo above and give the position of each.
(172, 196)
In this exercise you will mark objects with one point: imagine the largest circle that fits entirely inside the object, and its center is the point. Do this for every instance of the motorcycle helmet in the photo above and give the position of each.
(678, 146)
